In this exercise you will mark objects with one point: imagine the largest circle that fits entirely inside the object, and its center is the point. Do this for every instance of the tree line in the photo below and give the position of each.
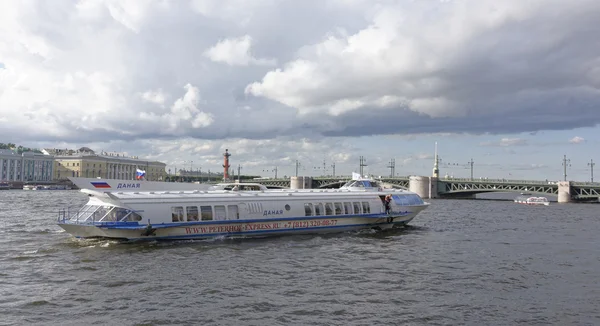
(19, 149)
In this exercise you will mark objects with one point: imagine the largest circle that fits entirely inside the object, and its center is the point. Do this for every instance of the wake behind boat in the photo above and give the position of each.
(140, 210)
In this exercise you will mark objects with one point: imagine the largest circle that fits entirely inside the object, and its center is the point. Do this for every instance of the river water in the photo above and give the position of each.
(462, 262)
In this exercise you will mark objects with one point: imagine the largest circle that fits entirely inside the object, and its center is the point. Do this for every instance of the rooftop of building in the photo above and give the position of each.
(87, 152)
(14, 152)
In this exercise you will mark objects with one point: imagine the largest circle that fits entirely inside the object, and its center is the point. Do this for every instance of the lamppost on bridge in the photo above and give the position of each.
(471, 164)
(392, 167)
(239, 172)
(272, 170)
(363, 163)
(591, 165)
(566, 162)
(315, 168)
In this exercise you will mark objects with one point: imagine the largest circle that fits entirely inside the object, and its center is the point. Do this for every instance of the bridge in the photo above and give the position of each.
(460, 188)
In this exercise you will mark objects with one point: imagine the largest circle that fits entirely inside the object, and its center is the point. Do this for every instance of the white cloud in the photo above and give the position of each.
(506, 142)
(576, 140)
(236, 52)
(120, 72)
(184, 113)
(157, 97)
(445, 70)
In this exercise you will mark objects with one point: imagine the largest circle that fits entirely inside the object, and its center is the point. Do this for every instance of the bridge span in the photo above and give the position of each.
(432, 187)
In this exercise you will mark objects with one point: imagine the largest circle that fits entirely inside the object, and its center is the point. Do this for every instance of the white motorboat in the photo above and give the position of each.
(528, 200)
(46, 187)
(139, 210)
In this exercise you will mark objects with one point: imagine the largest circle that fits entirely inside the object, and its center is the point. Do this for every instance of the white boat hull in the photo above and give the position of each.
(128, 210)
(240, 228)
(533, 204)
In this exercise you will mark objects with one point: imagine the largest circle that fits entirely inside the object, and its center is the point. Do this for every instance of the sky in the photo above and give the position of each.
(511, 84)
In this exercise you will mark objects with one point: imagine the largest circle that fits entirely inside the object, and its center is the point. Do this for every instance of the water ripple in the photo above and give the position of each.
(461, 262)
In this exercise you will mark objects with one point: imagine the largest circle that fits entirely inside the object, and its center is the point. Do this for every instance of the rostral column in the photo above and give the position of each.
(226, 166)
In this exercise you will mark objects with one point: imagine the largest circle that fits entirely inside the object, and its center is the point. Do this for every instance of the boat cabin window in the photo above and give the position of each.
(308, 209)
(348, 184)
(96, 213)
(366, 207)
(318, 209)
(328, 209)
(102, 214)
(106, 214)
(206, 213)
(407, 200)
(133, 217)
(361, 184)
(122, 214)
(177, 214)
(347, 208)
(220, 213)
(192, 213)
(338, 208)
(85, 212)
(241, 187)
(416, 199)
(356, 208)
(233, 212)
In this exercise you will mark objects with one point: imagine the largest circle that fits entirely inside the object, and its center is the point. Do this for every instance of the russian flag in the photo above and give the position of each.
(140, 174)
(100, 184)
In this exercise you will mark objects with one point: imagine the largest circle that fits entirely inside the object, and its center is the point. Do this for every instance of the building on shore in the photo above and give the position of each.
(25, 166)
(86, 163)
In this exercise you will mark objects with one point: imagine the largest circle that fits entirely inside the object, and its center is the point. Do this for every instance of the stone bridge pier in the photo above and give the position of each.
(301, 182)
(426, 187)
(564, 192)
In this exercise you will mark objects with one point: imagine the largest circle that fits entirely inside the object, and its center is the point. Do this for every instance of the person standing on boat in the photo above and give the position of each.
(387, 201)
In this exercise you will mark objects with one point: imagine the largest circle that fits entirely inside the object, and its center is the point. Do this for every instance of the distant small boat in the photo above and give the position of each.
(532, 200)
(46, 187)
(4, 186)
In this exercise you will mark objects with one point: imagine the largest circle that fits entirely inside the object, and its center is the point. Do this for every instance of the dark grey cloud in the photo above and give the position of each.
(343, 69)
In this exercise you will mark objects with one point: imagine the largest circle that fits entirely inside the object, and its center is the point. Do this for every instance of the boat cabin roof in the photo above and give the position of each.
(362, 184)
(248, 195)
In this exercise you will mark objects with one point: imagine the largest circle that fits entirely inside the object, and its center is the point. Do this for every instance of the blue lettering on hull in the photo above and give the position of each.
(128, 185)
(273, 212)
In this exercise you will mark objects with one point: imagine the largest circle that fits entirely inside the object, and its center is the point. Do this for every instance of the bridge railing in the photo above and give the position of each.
(538, 182)
(443, 179)
(592, 184)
